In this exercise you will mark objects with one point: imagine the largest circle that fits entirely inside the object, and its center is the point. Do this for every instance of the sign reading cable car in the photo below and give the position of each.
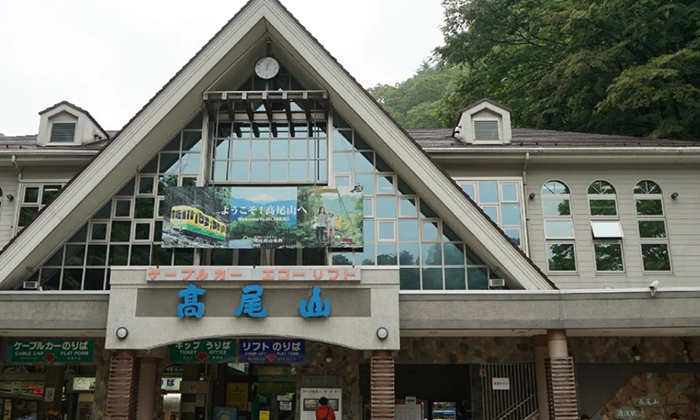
(263, 217)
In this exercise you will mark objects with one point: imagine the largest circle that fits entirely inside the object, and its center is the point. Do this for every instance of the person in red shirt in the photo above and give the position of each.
(324, 412)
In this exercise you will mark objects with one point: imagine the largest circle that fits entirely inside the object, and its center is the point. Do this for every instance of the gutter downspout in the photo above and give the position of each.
(526, 199)
(17, 200)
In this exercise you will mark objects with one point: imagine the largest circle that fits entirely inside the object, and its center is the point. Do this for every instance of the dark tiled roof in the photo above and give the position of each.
(527, 137)
(29, 143)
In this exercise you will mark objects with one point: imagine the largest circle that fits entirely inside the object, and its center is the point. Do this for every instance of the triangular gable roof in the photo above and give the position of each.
(79, 109)
(181, 98)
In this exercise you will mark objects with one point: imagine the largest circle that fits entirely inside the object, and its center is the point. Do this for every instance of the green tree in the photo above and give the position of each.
(615, 66)
(415, 103)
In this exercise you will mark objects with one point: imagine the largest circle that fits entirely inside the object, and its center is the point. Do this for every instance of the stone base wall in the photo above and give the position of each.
(466, 350)
(653, 396)
(618, 349)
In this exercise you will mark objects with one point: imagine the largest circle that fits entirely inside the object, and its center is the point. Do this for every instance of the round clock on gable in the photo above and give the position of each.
(267, 67)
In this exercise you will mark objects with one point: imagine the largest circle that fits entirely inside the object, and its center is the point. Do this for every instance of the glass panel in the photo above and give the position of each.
(221, 257)
(367, 182)
(188, 181)
(220, 170)
(56, 259)
(280, 149)
(285, 257)
(105, 212)
(603, 207)
(647, 187)
(140, 255)
(298, 149)
(488, 192)
(121, 231)
(190, 163)
(410, 278)
(342, 140)
(652, 229)
(151, 167)
(174, 144)
(249, 257)
(261, 149)
(649, 208)
(144, 208)
(454, 254)
(386, 207)
(469, 189)
(366, 257)
(278, 170)
(478, 278)
(192, 141)
(367, 207)
(408, 231)
(31, 195)
(221, 150)
(50, 278)
(26, 214)
(432, 254)
(340, 258)
(142, 231)
(184, 257)
(510, 214)
(128, 189)
(162, 256)
(386, 254)
(123, 208)
(241, 149)
(514, 235)
(80, 235)
(342, 181)
(559, 229)
(72, 279)
(360, 143)
(146, 185)
(455, 279)
(556, 207)
(341, 162)
(259, 171)
(409, 254)
(491, 212)
(554, 187)
(97, 255)
(385, 184)
(298, 170)
(408, 208)
(169, 163)
(655, 257)
(368, 230)
(118, 254)
(75, 254)
(561, 257)
(485, 130)
(240, 171)
(157, 231)
(449, 235)
(608, 257)
(94, 279)
(431, 231)
(363, 162)
(166, 181)
(509, 192)
(432, 279)
(387, 230)
(50, 191)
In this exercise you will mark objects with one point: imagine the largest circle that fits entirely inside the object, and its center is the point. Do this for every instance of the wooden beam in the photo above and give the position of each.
(229, 110)
(210, 110)
(237, 129)
(268, 109)
(288, 111)
(307, 109)
(251, 117)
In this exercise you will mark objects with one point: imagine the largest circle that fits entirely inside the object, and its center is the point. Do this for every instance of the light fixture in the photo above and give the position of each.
(122, 333)
(382, 333)
(532, 196)
(674, 195)
(10, 197)
(636, 355)
(329, 355)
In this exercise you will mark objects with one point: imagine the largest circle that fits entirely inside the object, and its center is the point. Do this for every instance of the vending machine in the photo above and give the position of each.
(444, 410)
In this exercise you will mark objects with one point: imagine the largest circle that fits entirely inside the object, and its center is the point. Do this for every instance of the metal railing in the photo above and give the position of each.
(509, 391)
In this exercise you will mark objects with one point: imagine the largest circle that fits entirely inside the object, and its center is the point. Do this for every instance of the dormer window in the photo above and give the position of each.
(486, 130)
(62, 133)
(484, 123)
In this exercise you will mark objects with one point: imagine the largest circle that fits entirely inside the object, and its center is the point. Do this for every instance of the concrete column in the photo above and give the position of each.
(99, 400)
(556, 341)
(541, 354)
(148, 387)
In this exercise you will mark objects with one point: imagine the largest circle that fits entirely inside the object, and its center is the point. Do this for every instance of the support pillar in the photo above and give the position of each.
(562, 398)
(382, 385)
(55, 378)
(122, 386)
(541, 355)
(190, 372)
(99, 396)
(148, 387)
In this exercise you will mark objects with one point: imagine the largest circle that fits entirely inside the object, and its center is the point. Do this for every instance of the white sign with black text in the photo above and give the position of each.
(501, 384)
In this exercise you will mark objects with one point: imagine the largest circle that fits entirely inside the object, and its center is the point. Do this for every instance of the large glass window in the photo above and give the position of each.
(605, 226)
(501, 200)
(35, 196)
(558, 226)
(651, 221)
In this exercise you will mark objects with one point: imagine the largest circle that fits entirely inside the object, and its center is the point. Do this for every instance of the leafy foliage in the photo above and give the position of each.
(416, 102)
(614, 66)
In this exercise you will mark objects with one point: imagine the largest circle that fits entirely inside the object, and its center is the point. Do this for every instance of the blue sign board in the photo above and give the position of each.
(271, 351)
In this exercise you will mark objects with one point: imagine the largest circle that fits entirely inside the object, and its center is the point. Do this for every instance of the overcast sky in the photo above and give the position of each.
(111, 57)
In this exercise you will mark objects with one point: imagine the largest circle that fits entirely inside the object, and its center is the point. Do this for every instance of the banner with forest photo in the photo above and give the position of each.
(263, 217)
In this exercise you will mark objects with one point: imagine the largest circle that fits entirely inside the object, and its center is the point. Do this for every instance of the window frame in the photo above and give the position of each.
(652, 218)
(41, 184)
(500, 181)
(596, 196)
(556, 218)
(499, 131)
(62, 142)
(622, 256)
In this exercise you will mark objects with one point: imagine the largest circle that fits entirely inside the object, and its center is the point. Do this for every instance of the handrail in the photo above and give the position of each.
(515, 407)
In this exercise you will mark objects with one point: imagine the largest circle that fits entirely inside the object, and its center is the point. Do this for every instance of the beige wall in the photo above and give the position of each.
(682, 217)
